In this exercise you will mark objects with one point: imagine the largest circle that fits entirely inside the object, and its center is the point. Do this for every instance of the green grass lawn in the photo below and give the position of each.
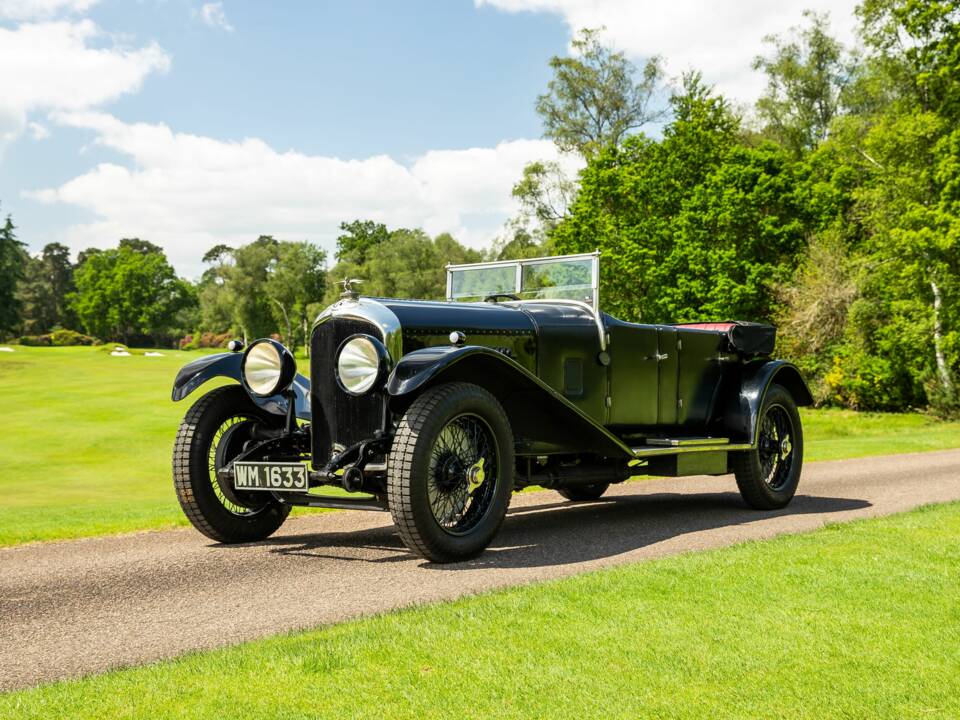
(86, 441)
(855, 620)
(86, 438)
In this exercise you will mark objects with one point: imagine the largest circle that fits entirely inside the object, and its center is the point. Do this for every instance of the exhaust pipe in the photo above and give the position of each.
(559, 476)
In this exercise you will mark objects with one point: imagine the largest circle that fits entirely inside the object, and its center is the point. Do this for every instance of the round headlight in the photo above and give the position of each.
(267, 368)
(360, 364)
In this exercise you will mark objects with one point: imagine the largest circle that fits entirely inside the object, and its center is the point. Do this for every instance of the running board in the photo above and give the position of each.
(656, 447)
(328, 501)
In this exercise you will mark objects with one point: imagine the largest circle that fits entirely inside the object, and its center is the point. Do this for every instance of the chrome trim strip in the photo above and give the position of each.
(524, 261)
(687, 441)
(371, 311)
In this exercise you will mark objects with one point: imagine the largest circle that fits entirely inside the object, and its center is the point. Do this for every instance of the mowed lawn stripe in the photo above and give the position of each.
(854, 620)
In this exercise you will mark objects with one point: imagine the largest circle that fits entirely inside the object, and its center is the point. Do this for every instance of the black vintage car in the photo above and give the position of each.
(438, 411)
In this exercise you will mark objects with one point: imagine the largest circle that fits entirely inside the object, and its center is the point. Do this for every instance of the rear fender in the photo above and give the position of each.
(541, 417)
(742, 416)
(194, 374)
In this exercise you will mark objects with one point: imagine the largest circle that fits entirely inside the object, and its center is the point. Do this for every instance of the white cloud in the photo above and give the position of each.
(38, 131)
(188, 192)
(61, 66)
(41, 9)
(213, 14)
(718, 38)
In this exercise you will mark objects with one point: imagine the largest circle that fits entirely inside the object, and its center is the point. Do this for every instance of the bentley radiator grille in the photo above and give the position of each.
(339, 419)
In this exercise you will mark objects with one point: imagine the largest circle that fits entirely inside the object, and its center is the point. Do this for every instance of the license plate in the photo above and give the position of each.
(277, 477)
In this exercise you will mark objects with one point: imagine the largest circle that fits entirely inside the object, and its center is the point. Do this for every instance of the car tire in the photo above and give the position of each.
(450, 472)
(212, 433)
(584, 493)
(768, 475)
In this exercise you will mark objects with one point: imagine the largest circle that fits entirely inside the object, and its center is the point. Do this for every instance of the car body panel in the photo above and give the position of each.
(743, 407)
(196, 373)
(544, 420)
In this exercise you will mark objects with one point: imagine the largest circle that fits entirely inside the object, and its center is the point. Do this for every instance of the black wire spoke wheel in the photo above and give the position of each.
(450, 472)
(768, 475)
(462, 475)
(227, 443)
(215, 430)
(776, 447)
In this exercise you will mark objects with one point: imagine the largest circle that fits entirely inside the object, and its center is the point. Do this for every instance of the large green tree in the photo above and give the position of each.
(47, 283)
(595, 98)
(267, 286)
(13, 262)
(247, 278)
(405, 264)
(917, 45)
(296, 281)
(807, 74)
(411, 265)
(358, 238)
(130, 293)
(695, 226)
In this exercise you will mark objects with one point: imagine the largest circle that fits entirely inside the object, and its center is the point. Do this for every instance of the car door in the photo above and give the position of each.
(634, 374)
(668, 371)
(700, 373)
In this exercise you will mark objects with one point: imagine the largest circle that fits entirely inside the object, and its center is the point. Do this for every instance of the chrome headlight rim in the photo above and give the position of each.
(283, 370)
(378, 371)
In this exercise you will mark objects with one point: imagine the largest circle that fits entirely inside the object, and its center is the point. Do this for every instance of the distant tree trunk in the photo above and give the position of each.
(289, 336)
(942, 370)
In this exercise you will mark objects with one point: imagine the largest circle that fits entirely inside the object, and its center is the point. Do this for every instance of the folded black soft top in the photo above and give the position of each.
(748, 338)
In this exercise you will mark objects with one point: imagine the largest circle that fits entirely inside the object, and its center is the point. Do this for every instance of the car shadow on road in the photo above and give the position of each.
(562, 532)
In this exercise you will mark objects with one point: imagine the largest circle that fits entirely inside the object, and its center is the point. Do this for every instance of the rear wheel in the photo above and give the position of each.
(450, 472)
(213, 433)
(585, 492)
(768, 475)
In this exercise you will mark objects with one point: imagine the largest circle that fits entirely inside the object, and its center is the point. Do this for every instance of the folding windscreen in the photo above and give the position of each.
(567, 277)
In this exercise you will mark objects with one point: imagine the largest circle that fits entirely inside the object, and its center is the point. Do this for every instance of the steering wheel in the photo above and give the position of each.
(496, 296)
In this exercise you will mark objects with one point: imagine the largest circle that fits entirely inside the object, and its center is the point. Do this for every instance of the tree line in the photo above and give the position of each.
(830, 208)
(132, 294)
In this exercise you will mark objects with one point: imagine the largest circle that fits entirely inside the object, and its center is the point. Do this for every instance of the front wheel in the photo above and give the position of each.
(450, 472)
(768, 475)
(213, 432)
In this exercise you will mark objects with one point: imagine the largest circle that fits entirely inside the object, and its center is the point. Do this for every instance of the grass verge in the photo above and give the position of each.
(855, 620)
(86, 439)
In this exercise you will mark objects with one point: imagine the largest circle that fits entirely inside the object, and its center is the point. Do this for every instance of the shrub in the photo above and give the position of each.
(58, 338)
(945, 404)
(36, 340)
(205, 340)
(861, 381)
(63, 337)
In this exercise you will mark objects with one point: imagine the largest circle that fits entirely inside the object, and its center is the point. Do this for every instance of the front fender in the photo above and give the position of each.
(196, 373)
(540, 416)
(743, 413)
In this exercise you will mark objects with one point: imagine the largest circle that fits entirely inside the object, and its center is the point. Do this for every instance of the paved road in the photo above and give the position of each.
(80, 607)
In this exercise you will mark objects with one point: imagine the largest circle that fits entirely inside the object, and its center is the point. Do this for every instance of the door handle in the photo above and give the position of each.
(661, 356)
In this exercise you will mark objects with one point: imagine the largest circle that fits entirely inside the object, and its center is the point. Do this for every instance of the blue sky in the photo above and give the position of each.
(191, 123)
(346, 79)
